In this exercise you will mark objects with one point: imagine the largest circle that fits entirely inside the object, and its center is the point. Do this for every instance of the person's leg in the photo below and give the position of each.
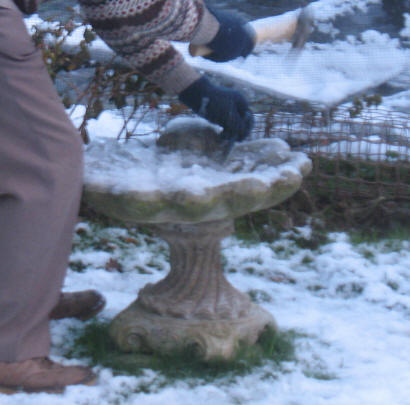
(40, 187)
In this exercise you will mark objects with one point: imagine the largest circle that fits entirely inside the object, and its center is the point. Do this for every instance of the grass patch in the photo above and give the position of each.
(317, 239)
(350, 290)
(307, 260)
(368, 254)
(259, 296)
(320, 375)
(102, 238)
(263, 226)
(389, 236)
(77, 266)
(368, 170)
(260, 226)
(93, 342)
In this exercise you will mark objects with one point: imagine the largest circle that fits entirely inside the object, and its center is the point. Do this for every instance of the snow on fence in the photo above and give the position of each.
(365, 156)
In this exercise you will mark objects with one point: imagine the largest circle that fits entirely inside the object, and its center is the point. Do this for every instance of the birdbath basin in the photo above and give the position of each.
(190, 192)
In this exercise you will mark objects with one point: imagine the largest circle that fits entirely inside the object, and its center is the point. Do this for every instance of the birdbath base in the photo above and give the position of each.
(194, 306)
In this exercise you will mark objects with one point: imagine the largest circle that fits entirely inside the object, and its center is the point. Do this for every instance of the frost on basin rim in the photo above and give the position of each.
(139, 182)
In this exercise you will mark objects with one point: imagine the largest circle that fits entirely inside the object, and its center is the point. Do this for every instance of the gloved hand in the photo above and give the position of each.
(234, 38)
(220, 105)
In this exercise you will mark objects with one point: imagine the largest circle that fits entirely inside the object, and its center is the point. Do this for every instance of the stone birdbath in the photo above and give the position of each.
(190, 192)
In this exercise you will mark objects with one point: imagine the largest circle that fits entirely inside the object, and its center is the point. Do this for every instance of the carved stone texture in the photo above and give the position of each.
(196, 287)
(257, 175)
(194, 305)
(136, 330)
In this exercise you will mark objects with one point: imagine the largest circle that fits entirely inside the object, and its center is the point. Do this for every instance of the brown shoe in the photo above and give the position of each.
(81, 305)
(42, 375)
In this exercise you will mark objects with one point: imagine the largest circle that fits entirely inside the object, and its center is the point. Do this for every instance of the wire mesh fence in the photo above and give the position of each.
(367, 156)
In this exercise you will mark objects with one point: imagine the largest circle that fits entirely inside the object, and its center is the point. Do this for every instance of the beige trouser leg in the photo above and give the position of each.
(40, 187)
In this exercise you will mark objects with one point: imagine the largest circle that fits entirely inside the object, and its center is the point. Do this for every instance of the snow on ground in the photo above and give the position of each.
(350, 305)
(405, 32)
(398, 102)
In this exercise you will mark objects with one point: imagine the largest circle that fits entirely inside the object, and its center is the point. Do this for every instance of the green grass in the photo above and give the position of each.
(257, 227)
(320, 375)
(263, 226)
(93, 342)
(101, 237)
(371, 171)
(259, 296)
(390, 236)
(317, 239)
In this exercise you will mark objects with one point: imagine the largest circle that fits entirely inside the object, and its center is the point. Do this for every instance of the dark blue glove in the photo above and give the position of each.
(220, 105)
(234, 38)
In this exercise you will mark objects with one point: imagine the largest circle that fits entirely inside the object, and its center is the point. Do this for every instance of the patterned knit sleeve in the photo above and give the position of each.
(140, 31)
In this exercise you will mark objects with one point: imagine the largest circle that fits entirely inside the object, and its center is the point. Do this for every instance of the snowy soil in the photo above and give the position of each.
(349, 304)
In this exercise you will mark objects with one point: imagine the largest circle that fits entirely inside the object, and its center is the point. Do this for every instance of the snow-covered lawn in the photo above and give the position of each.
(349, 304)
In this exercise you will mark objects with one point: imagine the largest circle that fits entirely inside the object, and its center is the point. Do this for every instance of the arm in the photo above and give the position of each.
(140, 31)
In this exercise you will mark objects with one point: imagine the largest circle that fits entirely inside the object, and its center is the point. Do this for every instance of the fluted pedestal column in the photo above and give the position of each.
(194, 305)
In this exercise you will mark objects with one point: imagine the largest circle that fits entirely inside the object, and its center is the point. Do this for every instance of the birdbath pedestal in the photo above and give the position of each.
(190, 198)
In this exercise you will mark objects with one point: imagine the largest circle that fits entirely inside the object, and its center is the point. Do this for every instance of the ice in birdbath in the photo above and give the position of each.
(186, 186)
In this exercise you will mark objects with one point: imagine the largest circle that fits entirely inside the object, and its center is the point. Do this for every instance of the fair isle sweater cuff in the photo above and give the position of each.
(207, 29)
(179, 78)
